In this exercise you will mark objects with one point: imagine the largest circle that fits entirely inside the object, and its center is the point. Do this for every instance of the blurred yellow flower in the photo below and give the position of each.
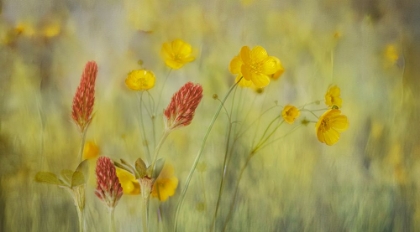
(166, 184)
(128, 182)
(290, 113)
(177, 53)
(163, 187)
(330, 125)
(332, 97)
(51, 30)
(90, 150)
(391, 54)
(140, 80)
(255, 66)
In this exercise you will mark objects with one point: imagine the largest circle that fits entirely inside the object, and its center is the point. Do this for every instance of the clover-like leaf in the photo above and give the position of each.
(48, 178)
(77, 179)
(66, 176)
(158, 168)
(141, 167)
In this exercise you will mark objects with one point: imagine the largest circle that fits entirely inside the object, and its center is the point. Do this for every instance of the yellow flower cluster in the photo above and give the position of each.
(332, 122)
(254, 68)
(164, 186)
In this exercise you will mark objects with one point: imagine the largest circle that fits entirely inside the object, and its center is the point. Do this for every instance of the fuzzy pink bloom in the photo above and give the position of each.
(180, 111)
(85, 96)
(108, 187)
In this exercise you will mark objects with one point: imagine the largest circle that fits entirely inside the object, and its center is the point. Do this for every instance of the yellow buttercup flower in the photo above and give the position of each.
(330, 125)
(235, 68)
(290, 113)
(128, 182)
(140, 80)
(90, 150)
(332, 97)
(177, 53)
(166, 184)
(255, 66)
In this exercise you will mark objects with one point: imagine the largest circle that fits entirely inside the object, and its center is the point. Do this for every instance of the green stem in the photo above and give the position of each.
(158, 147)
(232, 203)
(200, 152)
(82, 144)
(111, 220)
(142, 129)
(144, 213)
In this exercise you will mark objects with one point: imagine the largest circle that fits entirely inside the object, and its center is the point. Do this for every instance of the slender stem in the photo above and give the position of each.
(200, 152)
(144, 213)
(232, 203)
(159, 146)
(142, 129)
(82, 144)
(80, 215)
(111, 219)
(223, 178)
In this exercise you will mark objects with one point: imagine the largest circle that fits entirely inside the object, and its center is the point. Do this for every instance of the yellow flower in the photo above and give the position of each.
(128, 182)
(330, 125)
(391, 54)
(140, 80)
(90, 150)
(255, 66)
(163, 187)
(166, 184)
(177, 53)
(290, 113)
(332, 97)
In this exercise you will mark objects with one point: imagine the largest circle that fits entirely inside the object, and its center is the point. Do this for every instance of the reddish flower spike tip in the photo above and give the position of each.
(181, 109)
(108, 187)
(85, 96)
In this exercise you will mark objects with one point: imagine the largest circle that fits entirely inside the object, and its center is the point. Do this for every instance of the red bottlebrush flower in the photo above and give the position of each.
(180, 111)
(85, 96)
(108, 187)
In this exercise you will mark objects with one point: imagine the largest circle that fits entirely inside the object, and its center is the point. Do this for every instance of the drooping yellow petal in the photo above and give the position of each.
(90, 150)
(128, 182)
(235, 65)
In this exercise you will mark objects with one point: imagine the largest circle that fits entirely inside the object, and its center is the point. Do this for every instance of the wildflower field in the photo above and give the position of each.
(239, 115)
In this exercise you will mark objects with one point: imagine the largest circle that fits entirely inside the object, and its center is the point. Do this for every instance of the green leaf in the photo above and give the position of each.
(141, 167)
(77, 179)
(66, 176)
(158, 168)
(48, 178)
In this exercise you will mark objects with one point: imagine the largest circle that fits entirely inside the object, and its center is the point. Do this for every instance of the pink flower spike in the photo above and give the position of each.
(85, 96)
(108, 187)
(181, 109)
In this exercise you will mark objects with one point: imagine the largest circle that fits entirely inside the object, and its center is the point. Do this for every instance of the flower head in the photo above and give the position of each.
(163, 187)
(85, 97)
(177, 53)
(290, 113)
(108, 187)
(332, 97)
(255, 66)
(140, 80)
(165, 184)
(330, 125)
(181, 109)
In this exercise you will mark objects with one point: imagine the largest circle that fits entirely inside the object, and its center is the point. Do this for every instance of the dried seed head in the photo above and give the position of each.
(108, 187)
(181, 109)
(85, 96)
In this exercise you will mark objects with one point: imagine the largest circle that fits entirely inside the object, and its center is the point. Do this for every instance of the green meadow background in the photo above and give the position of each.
(368, 181)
